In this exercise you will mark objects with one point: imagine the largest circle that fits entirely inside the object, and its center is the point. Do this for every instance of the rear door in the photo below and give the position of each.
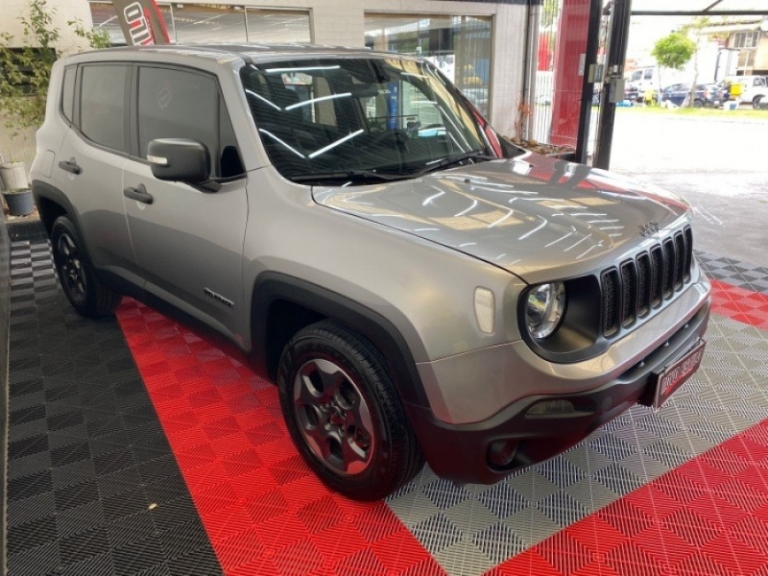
(188, 241)
(89, 166)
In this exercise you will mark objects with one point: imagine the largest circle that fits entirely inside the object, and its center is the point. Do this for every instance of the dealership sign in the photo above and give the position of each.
(141, 22)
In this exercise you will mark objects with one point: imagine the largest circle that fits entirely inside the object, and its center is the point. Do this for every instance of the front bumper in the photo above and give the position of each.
(461, 451)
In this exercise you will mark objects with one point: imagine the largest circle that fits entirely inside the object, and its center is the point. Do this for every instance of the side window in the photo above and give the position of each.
(68, 93)
(178, 104)
(648, 74)
(102, 104)
(230, 164)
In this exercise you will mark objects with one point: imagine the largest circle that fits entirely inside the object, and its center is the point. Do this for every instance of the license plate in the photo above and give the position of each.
(674, 375)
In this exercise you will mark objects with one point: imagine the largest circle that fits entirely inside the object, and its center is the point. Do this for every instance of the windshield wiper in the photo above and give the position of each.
(350, 175)
(451, 160)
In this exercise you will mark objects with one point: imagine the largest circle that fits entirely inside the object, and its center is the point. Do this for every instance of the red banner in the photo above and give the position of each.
(141, 22)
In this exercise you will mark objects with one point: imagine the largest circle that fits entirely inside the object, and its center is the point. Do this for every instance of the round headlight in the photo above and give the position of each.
(544, 309)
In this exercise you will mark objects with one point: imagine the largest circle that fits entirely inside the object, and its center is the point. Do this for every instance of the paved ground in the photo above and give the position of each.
(719, 165)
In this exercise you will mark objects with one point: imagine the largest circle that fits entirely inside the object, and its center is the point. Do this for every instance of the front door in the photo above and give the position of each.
(189, 241)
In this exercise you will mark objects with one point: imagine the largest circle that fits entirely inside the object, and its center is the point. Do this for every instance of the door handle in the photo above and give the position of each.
(139, 193)
(70, 166)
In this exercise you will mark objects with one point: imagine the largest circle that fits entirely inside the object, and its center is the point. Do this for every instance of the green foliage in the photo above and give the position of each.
(97, 38)
(27, 69)
(25, 65)
(674, 50)
(548, 12)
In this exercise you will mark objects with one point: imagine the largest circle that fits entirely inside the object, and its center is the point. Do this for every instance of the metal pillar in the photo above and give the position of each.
(613, 86)
(585, 115)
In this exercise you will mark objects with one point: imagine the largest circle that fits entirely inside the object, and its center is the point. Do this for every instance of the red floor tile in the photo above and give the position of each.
(263, 510)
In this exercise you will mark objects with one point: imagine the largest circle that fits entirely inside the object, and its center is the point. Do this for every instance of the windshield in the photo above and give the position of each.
(323, 120)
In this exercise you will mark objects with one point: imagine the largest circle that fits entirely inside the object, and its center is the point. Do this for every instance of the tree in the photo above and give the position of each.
(25, 65)
(549, 12)
(674, 50)
(696, 28)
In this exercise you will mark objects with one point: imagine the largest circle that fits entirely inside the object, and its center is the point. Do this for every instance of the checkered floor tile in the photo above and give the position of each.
(93, 487)
(167, 456)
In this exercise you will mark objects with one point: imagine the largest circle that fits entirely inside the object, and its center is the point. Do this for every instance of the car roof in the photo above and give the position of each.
(251, 53)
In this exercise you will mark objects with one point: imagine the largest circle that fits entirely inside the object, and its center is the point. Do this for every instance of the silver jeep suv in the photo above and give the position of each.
(418, 288)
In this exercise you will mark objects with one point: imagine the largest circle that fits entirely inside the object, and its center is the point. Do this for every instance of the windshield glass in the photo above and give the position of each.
(324, 120)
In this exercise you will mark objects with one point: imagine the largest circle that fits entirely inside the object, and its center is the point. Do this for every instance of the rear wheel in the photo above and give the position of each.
(88, 295)
(698, 104)
(759, 103)
(344, 414)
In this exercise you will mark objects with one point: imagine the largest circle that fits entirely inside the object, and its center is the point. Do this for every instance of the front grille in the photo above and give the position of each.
(641, 284)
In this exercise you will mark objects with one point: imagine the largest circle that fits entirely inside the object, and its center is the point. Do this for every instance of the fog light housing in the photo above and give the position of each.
(501, 453)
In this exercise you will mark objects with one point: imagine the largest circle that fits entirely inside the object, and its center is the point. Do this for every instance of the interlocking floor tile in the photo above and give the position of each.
(184, 466)
(73, 469)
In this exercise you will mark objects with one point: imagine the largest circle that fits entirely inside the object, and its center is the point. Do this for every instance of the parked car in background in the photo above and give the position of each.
(749, 89)
(706, 95)
(644, 78)
(631, 92)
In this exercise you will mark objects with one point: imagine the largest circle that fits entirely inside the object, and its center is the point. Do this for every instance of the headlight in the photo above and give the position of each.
(544, 309)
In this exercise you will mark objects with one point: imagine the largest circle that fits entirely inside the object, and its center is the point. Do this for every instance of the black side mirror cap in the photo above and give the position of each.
(181, 160)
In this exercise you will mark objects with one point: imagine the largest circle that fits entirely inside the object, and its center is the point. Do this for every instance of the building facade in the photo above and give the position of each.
(480, 45)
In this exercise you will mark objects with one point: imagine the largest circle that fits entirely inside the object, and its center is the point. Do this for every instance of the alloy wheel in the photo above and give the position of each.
(71, 270)
(333, 417)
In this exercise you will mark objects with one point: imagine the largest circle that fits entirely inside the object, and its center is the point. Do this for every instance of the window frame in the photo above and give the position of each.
(126, 101)
(75, 94)
(220, 100)
(78, 104)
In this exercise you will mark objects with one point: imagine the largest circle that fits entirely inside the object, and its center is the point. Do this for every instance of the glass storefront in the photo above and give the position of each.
(196, 23)
(459, 45)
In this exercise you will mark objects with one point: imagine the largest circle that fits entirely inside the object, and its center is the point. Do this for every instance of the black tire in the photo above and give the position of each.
(89, 296)
(760, 103)
(323, 370)
(698, 104)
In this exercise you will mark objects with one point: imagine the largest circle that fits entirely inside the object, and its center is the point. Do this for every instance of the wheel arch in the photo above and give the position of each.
(281, 305)
(52, 203)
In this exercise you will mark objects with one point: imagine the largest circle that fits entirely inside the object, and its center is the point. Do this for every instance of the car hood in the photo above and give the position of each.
(536, 216)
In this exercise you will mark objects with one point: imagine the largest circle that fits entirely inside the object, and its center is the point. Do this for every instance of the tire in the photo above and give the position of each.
(698, 104)
(344, 414)
(759, 103)
(87, 294)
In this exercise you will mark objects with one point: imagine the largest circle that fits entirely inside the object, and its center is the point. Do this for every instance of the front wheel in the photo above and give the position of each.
(759, 103)
(344, 414)
(82, 287)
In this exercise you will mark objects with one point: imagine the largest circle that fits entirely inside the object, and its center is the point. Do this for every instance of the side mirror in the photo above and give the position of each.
(180, 159)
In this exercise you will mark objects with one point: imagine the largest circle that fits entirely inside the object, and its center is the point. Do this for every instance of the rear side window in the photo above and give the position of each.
(68, 93)
(102, 105)
(178, 104)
